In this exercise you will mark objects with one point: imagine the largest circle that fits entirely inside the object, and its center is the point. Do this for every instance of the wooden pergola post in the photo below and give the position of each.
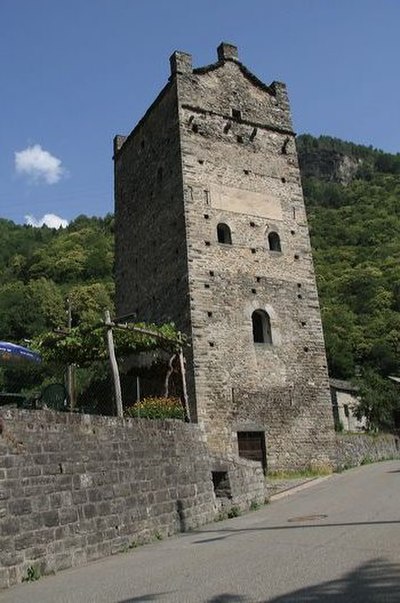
(114, 365)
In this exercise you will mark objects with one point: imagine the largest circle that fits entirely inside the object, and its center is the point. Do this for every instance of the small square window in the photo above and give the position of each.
(236, 114)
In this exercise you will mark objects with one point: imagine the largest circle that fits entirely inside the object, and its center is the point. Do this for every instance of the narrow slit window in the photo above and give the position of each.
(261, 327)
(224, 234)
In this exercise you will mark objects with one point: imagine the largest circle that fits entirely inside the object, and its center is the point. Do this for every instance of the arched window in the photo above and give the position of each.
(224, 234)
(261, 327)
(274, 241)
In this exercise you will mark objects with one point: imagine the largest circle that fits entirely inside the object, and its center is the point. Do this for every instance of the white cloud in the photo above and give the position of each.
(50, 220)
(39, 165)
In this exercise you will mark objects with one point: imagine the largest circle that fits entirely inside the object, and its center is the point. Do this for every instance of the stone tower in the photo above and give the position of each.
(211, 233)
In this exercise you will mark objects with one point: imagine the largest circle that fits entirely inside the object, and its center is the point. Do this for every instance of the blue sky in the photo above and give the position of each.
(75, 73)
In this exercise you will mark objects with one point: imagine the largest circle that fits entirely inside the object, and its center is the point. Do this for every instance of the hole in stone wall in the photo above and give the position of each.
(206, 286)
(195, 128)
(207, 243)
(305, 348)
(254, 291)
(247, 172)
(299, 296)
(209, 314)
(296, 256)
(303, 323)
(253, 134)
(252, 224)
(142, 144)
(211, 273)
(253, 250)
(283, 180)
(206, 216)
(236, 114)
(201, 161)
(284, 146)
(258, 279)
(222, 487)
(239, 139)
(292, 232)
(211, 344)
(227, 127)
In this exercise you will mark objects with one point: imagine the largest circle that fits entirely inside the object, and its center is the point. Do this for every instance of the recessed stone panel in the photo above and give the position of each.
(244, 201)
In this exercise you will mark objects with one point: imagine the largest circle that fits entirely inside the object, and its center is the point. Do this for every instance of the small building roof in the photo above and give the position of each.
(342, 385)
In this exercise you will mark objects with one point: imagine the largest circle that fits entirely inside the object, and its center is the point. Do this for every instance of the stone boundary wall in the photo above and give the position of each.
(75, 488)
(246, 484)
(357, 449)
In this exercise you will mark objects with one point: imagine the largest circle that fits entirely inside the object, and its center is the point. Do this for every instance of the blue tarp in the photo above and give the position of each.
(11, 353)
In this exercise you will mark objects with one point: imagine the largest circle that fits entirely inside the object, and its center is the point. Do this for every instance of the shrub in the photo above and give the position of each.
(157, 408)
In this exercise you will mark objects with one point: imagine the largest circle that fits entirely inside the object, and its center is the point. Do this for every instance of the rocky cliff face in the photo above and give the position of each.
(328, 165)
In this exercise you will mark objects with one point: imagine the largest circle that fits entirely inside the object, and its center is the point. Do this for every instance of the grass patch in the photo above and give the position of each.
(233, 512)
(228, 514)
(254, 505)
(32, 574)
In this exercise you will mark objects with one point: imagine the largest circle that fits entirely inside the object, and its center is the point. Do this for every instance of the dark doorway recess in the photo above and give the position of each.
(252, 446)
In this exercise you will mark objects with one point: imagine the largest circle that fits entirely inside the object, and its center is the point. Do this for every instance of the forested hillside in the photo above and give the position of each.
(40, 268)
(353, 197)
(355, 233)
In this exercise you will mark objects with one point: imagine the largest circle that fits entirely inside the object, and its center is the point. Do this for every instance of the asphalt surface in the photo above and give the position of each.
(338, 540)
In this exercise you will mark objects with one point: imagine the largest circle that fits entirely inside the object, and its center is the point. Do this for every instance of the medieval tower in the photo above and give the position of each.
(211, 233)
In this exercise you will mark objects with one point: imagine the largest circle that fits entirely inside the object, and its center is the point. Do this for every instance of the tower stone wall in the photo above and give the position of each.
(225, 146)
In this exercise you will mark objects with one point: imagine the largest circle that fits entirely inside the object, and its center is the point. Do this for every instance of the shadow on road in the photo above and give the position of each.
(228, 598)
(140, 598)
(231, 532)
(377, 581)
(223, 598)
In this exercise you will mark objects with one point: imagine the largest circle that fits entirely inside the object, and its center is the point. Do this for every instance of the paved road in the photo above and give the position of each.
(336, 541)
